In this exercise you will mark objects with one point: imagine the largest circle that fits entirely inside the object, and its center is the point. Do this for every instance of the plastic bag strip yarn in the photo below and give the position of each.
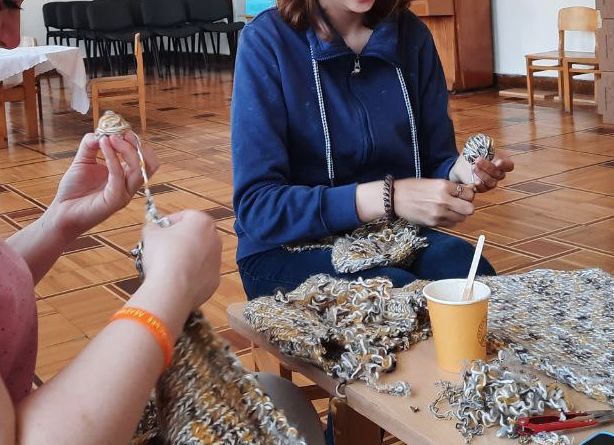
(493, 395)
(376, 244)
(206, 396)
(350, 329)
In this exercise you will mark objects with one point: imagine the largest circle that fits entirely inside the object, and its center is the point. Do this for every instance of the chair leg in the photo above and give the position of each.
(156, 55)
(560, 84)
(530, 83)
(39, 99)
(4, 133)
(95, 107)
(142, 109)
(568, 87)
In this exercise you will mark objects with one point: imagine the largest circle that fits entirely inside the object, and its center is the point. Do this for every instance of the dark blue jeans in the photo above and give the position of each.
(446, 257)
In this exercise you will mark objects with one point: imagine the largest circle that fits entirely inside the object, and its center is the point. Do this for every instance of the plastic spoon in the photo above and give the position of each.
(468, 292)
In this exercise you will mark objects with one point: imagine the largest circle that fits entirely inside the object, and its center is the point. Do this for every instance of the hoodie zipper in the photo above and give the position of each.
(357, 68)
(362, 110)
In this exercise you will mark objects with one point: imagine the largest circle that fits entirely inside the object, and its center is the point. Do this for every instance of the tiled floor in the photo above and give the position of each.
(556, 210)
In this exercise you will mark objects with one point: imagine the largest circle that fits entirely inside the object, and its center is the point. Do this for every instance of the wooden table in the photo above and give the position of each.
(18, 70)
(25, 92)
(418, 367)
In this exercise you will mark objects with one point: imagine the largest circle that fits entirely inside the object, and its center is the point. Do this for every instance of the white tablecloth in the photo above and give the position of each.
(66, 60)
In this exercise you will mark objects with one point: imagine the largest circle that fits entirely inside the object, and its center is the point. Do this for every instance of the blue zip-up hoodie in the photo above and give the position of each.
(282, 191)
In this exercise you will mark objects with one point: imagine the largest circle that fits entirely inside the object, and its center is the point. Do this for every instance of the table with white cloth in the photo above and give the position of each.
(18, 70)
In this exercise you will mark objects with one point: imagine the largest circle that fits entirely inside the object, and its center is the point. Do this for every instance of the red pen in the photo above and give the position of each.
(527, 426)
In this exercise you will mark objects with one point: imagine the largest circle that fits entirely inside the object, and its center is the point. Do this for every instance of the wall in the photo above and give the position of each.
(528, 26)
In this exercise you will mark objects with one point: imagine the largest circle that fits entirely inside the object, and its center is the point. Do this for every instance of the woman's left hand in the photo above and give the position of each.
(91, 191)
(484, 174)
(487, 174)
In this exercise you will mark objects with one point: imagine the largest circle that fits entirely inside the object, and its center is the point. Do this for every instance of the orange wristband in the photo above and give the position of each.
(153, 324)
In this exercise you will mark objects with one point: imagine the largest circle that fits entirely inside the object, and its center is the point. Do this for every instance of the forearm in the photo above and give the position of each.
(99, 398)
(41, 243)
(370, 201)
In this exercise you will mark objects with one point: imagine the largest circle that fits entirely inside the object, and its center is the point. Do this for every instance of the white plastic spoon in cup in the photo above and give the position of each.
(468, 292)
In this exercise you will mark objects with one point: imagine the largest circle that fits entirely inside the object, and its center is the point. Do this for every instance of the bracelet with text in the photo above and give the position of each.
(153, 324)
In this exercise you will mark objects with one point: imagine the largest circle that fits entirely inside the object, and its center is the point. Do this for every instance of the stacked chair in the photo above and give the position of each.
(173, 31)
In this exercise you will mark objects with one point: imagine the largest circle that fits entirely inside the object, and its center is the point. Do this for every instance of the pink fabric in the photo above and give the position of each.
(18, 324)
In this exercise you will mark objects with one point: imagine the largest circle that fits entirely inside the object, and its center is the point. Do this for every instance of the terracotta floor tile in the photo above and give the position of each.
(568, 205)
(508, 223)
(544, 247)
(54, 329)
(584, 259)
(582, 142)
(597, 178)
(504, 260)
(599, 236)
(89, 310)
(11, 201)
(83, 269)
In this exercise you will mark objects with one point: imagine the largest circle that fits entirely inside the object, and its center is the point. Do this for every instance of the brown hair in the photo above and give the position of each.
(301, 14)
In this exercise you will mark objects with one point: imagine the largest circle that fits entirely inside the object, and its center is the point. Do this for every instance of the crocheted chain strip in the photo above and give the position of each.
(350, 329)
(559, 323)
(491, 394)
(206, 396)
(378, 243)
(479, 145)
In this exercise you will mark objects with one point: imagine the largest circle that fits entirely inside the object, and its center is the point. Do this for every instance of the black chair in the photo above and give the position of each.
(50, 18)
(216, 17)
(114, 30)
(167, 19)
(64, 16)
(84, 32)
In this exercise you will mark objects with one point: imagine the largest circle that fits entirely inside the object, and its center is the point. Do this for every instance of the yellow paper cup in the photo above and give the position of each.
(459, 327)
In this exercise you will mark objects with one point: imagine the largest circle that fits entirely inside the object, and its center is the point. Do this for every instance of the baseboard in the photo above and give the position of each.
(508, 81)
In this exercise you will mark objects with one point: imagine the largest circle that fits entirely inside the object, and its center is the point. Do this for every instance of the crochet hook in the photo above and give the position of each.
(527, 426)
(468, 291)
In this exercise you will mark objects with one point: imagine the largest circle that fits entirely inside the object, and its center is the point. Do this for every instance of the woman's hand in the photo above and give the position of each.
(433, 202)
(91, 191)
(184, 257)
(484, 174)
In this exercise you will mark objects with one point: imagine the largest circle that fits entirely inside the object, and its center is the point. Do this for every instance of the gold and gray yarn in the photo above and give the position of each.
(206, 396)
(556, 322)
(376, 244)
(560, 323)
(350, 329)
(494, 395)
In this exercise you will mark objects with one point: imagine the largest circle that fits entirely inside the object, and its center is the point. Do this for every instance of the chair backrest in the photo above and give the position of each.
(163, 13)
(64, 15)
(138, 54)
(79, 16)
(50, 16)
(109, 16)
(136, 11)
(209, 11)
(577, 18)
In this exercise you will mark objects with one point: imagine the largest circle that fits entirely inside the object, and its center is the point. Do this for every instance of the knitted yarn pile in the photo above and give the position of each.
(350, 329)
(376, 244)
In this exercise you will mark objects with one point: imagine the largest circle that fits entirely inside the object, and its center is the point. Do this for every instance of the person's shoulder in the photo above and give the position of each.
(267, 21)
(412, 25)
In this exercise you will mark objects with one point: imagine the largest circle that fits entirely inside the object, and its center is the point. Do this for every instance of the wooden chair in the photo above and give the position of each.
(577, 18)
(122, 87)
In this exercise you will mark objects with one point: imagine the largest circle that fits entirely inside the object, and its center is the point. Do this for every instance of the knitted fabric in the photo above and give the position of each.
(350, 329)
(553, 321)
(376, 244)
(207, 397)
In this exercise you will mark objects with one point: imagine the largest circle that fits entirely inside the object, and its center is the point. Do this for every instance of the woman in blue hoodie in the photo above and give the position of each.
(331, 97)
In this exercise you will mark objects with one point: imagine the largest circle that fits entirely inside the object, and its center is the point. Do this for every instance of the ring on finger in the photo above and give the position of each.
(459, 191)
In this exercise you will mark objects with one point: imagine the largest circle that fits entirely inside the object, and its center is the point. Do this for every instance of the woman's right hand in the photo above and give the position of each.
(184, 257)
(433, 202)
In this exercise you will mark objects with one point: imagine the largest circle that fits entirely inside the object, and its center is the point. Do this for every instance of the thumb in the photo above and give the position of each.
(88, 149)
